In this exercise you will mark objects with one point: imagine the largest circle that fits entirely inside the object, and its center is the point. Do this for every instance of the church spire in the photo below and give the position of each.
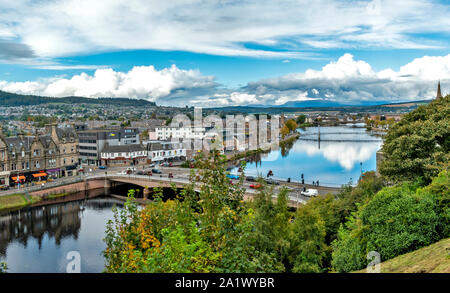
(439, 95)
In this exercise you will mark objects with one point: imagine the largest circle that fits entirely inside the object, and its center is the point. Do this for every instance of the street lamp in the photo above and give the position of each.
(360, 164)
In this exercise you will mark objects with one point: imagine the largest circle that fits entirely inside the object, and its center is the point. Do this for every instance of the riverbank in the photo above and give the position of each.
(28, 197)
(19, 201)
(251, 153)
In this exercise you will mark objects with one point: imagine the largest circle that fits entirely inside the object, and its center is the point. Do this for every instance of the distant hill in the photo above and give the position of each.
(308, 106)
(10, 99)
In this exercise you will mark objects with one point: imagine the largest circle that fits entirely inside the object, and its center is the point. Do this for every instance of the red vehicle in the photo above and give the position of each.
(255, 186)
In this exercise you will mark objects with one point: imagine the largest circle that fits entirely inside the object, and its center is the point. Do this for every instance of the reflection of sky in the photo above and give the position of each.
(52, 257)
(334, 164)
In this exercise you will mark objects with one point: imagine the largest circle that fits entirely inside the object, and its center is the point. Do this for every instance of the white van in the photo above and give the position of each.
(310, 192)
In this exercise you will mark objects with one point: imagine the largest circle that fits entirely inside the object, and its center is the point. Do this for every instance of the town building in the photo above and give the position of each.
(66, 139)
(124, 155)
(28, 159)
(168, 132)
(92, 142)
(165, 151)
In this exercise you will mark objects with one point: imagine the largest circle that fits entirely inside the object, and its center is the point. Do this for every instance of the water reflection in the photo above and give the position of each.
(334, 161)
(38, 239)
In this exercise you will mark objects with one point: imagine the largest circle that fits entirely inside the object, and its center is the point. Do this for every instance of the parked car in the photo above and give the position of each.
(231, 176)
(255, 186)
(156, 171)
(271, 181)
(4, 187)
(310, 192)
(250, 178)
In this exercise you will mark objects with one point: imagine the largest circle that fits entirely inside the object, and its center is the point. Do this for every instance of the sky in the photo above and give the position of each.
(227, 52)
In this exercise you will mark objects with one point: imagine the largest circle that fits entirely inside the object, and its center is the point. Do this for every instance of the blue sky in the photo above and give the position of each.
(226, 52)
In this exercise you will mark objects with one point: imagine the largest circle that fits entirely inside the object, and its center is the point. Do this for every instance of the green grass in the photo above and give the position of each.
(13, 201)
(19, 200)
(57, 195)
(434, 258)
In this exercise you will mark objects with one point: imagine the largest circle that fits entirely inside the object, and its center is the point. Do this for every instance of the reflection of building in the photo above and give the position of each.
(33, 158)
(57, 221)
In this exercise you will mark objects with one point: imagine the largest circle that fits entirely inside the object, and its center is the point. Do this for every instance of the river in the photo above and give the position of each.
(340, 156)
(38, 239)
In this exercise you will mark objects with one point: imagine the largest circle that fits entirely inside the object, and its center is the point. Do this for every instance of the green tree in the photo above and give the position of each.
(419, 144)
(398, 221)
(291, 125)
(349, 249)
(208, 230)
(308, 242)
(301, 119)
(284, 131)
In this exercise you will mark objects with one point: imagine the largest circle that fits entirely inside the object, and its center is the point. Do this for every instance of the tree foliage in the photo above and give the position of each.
(419, 144)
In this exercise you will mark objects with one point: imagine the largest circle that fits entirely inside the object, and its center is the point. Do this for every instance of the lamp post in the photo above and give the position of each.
(361, 167)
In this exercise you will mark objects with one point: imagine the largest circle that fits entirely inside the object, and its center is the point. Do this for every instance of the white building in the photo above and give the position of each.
(165, 151)
(124, 155)
(168, 132)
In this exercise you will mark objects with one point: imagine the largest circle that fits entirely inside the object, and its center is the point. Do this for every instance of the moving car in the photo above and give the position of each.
(310, 192)
(102, 167)
(255, 186)
(156, 171)
(271, 181)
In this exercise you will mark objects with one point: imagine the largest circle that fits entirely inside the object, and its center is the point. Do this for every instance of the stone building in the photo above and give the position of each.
(67, 141)
(27, 159)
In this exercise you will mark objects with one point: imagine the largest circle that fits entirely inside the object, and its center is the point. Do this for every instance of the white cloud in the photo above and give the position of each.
(140, 82)
(346, 154)
(69, 27)
(349, 80)
(299, 98)
(345, 80)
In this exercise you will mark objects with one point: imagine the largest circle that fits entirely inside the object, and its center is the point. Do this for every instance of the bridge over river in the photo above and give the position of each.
(181, 178)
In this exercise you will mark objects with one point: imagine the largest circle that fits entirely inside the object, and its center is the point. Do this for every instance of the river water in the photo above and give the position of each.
(38, 239)
(340, 156)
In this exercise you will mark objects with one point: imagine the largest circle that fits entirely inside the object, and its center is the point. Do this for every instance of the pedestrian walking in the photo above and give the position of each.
(314, 183)
(317, 182)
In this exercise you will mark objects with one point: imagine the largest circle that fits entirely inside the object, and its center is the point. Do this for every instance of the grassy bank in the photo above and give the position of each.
(434, 258)
(20, 200)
